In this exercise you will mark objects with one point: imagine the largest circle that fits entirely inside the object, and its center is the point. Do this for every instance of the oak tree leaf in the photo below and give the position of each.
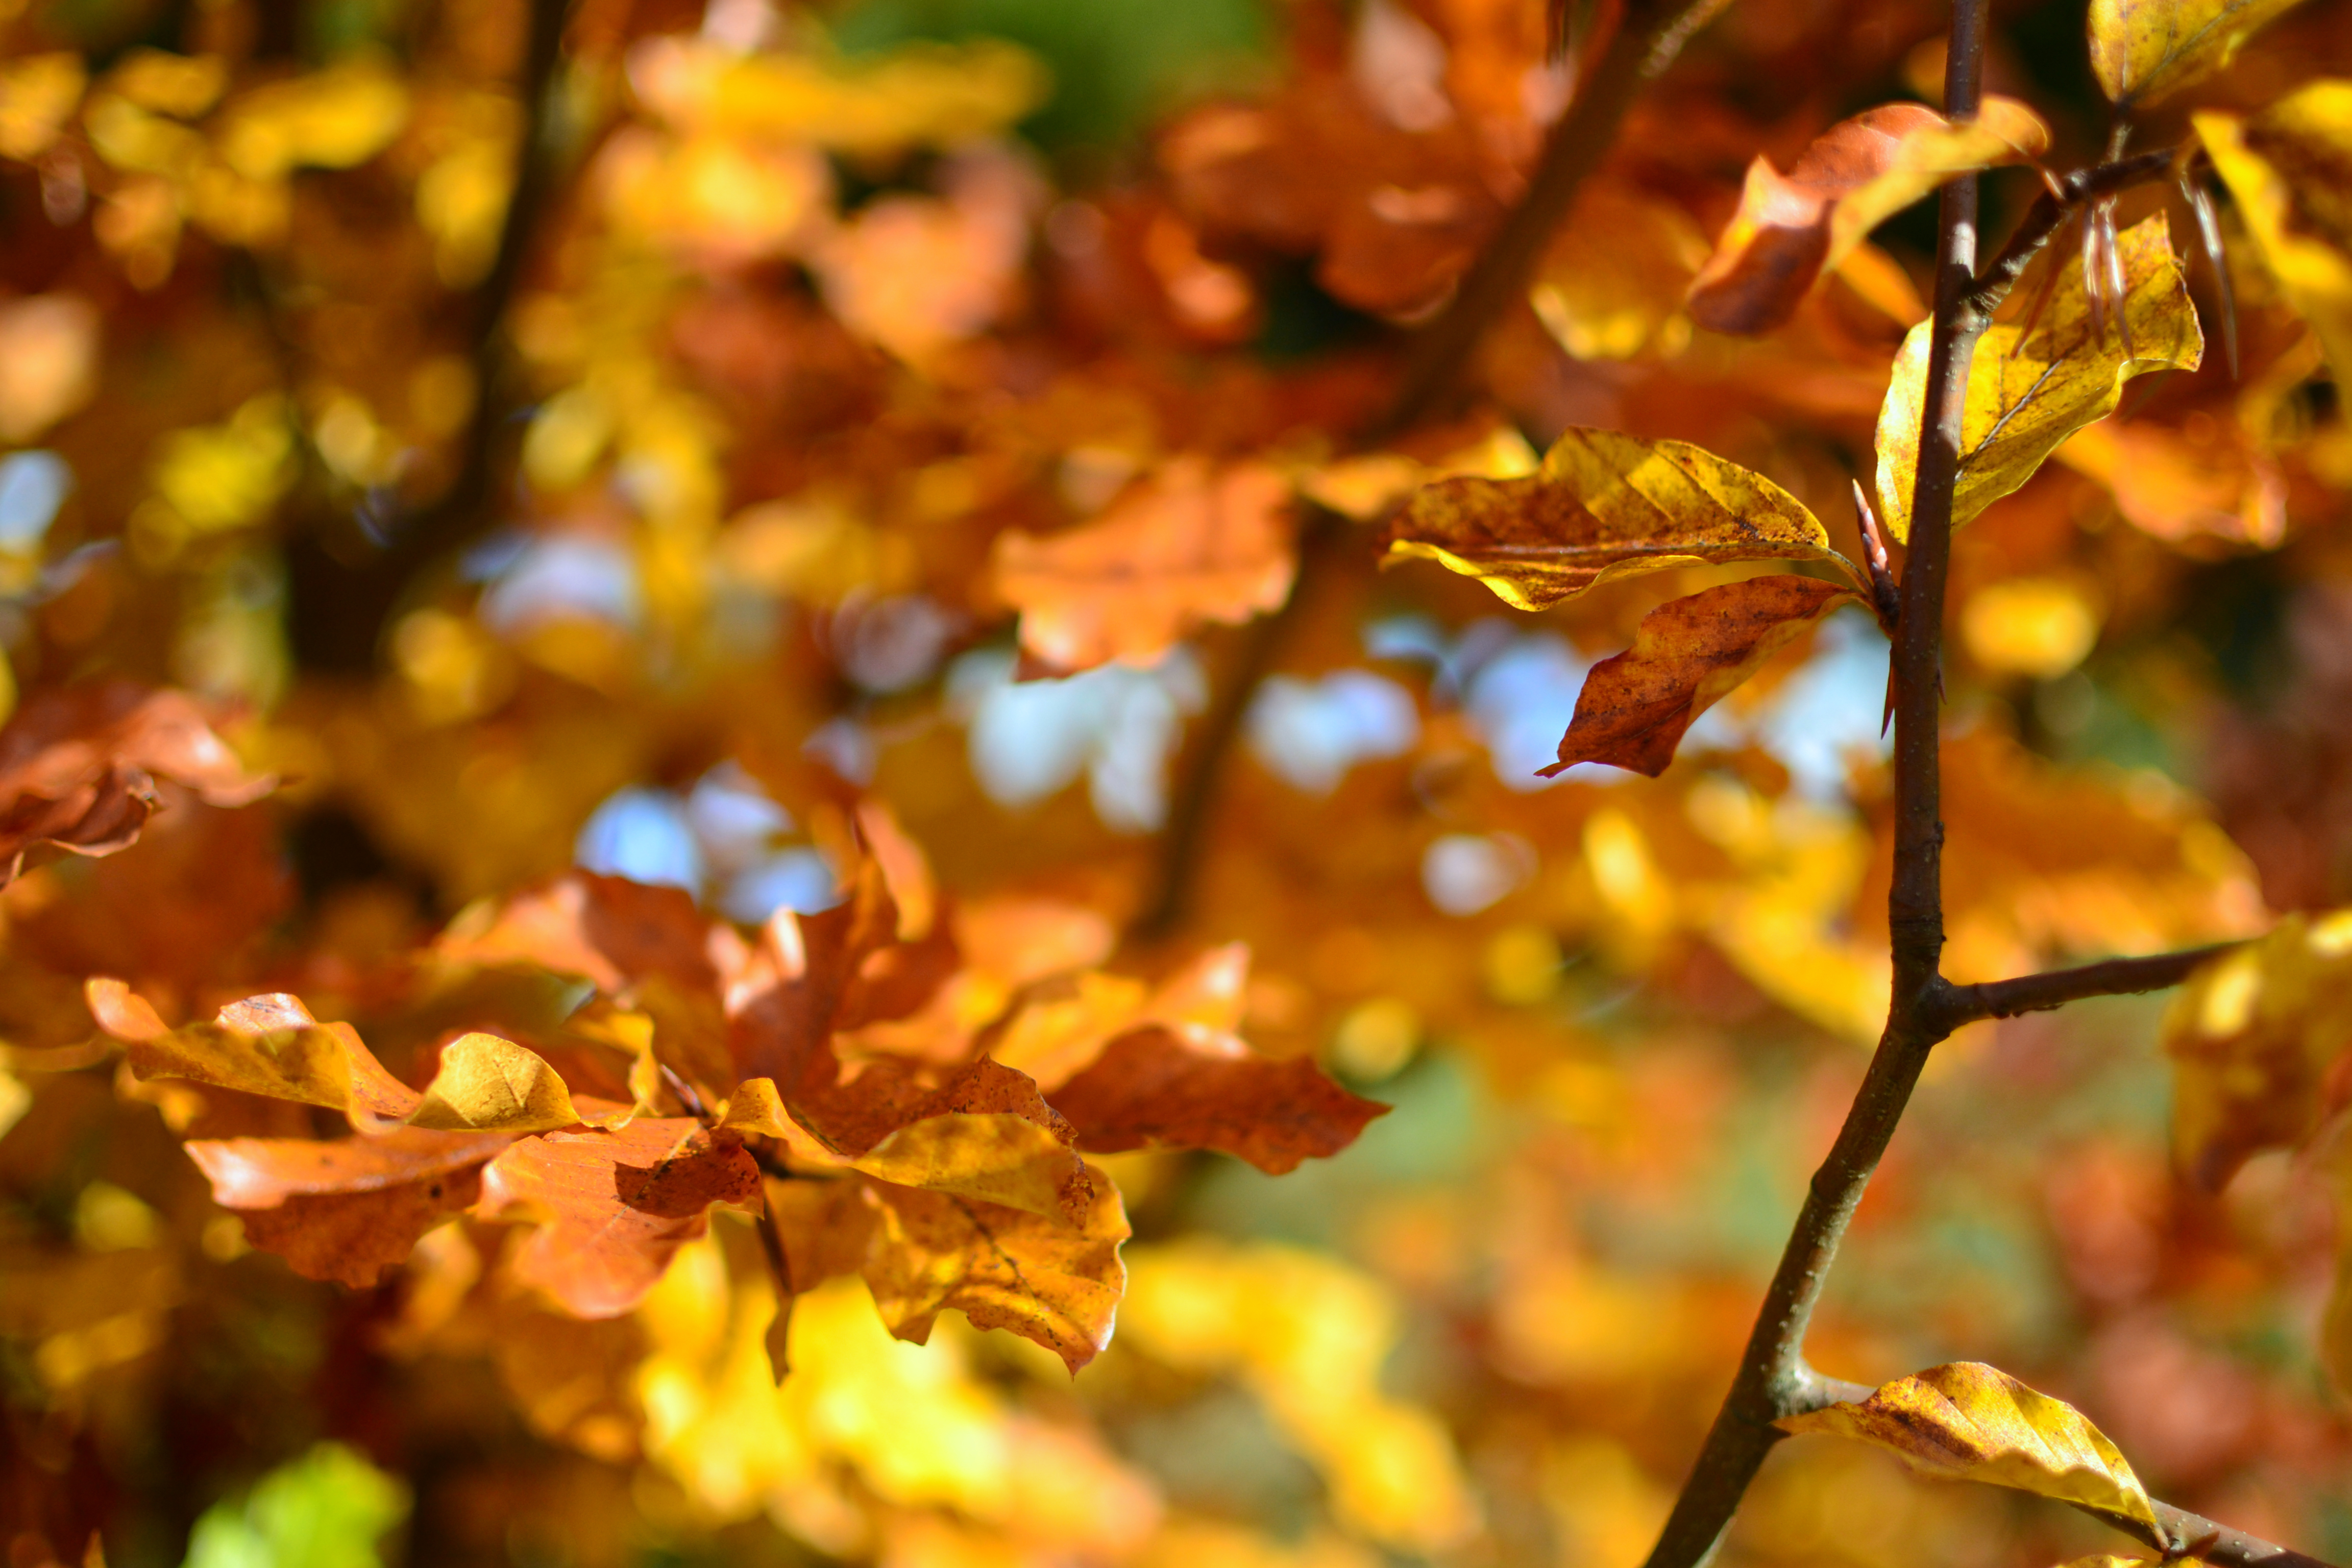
(2146, 50)
(613, 1207)
(1157, 1088)
(1968, 1421)
(78, 766)
(2039, 378)
(1687, 654)
(1603, 506)
(1792, 227)
(1047, 1280)
(1190, 546)
(2284, 168)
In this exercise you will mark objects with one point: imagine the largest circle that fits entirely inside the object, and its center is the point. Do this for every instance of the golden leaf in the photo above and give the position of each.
(1611, 284)
(2037, 380)
(1792, 227)
(2143, 51)
(491, 1085)
(1966, 1421)
(2284, 168)
(1604, 506)
(37, 93)
(1688, 655)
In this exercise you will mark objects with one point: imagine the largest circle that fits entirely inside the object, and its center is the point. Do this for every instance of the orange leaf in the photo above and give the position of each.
(1791, 227)
(1190, 546)
(1055, 1283)
(1157, 1089)
(1688, 654)
(606, 929)
(613, 1207)
(78, 766)
(356, 1239)
(264, 1173)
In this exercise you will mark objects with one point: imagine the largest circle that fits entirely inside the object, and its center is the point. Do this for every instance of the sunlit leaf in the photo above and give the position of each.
(1688, 655)
(1792, 227)
(1966, 1421)
(2146, 50)
(2040, 377)
(1606, 506)
(2284, 168)
(1160, 1089)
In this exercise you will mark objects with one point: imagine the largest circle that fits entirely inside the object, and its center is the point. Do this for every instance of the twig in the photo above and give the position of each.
(2056, 987)
(2213, 1543)
(2049, 211)
(1648, 38)
(1772, 1373)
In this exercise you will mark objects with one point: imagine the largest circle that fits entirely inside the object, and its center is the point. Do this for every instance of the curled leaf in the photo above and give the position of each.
(1161, 1088)
(1687, 655)
(1189, 547)
(1053, 1282)
(1966, 1421)
(2037, 380)
(2146, 50)
(488, 1083)
(78, 766)
(1603, 506)
(613, 1207)
(2284, 170)
(1792, 227)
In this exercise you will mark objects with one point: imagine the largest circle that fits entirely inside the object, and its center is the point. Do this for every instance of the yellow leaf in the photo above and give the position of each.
(2041, 626)
(1612, 284)
(998, 1157)
(2038, 379)
(37, 93)
(268, 1046)
(2143, 51)
(1966, 1421)
(1688, 655)
(332, 119)
(2284, 169)
(2253, 1036)
(1792, 227)
(1606, 506)
(490, 1085)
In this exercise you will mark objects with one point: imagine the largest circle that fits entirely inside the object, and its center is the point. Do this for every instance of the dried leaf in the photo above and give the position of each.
(1606, 506)
(2253, 1036)
(2146, 50)
(1688, 655)
(79, 765)
(1792, 227)
(1160, 1089)
(356, 1239)
(1966, 1421)
(610, 930)
(264, 1173)
(2284, 168)
(1190, 547)
(1046, 1280)
(2036, 381)
(613, 1207)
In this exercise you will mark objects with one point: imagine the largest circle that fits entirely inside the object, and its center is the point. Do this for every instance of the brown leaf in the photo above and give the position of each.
(607, 929)
(357, 1237)
(1188, 547)
(264, 1173)
(78, 766)
(1048, 1281)
(613, 1207)
(1157, 1088)
(1792, 227)
(1688, 654)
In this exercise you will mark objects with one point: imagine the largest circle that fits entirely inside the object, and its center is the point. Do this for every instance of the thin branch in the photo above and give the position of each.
(2049, 211)
(1648, 38)
(1773, 1377)
(2056, 987)
(2205, 1541)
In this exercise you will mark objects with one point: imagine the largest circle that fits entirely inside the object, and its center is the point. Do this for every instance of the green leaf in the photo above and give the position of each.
(326, 1509)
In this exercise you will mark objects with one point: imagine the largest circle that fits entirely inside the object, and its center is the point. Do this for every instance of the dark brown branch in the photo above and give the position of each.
(2206, 1540)
(1772, 1376)
(2056, 987)
(1651, 35)
(2049, 211)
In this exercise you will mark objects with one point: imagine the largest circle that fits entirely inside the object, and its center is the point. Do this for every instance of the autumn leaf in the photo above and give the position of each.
(1189, 547)
(2253, 1036)
(1157, 1088)
(612, 1207)
(78, 766)
(358, 1238)
(609, 929)
(263, 1173)
(2146, 50)
(1046, 1279)
(1966, 1421)
(1792, 227)
(1611, 284)
(2039, 378)
(2283, 167)
(1602, 507)
(1689, 654)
